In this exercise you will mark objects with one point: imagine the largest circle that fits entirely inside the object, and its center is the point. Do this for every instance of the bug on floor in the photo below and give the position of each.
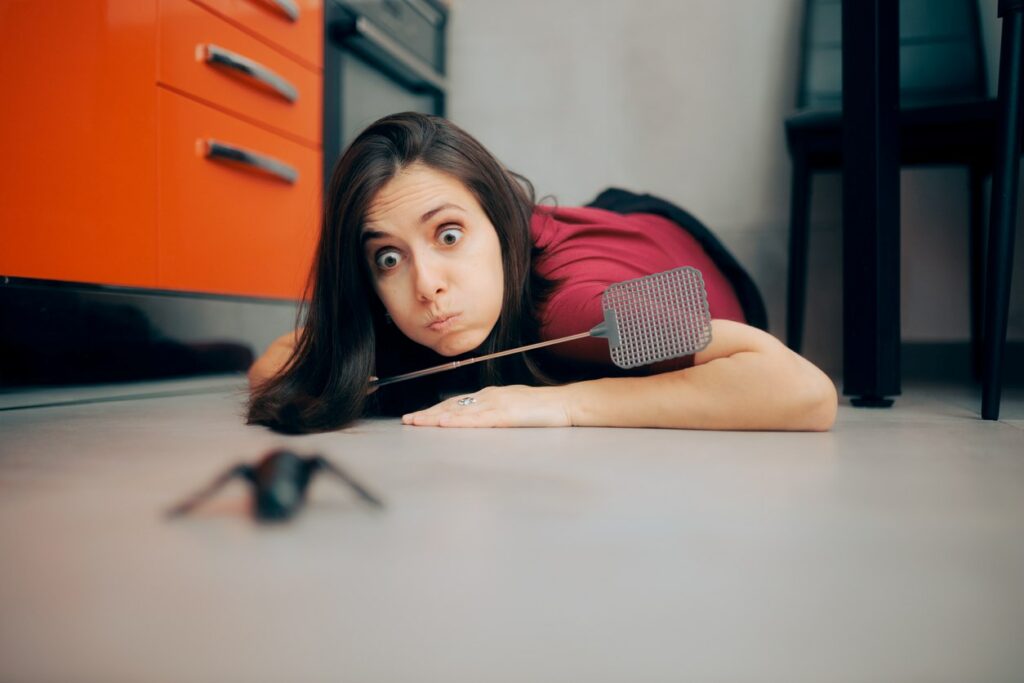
(279, 481)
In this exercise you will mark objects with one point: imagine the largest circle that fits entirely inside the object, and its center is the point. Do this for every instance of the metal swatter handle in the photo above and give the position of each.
(469, 361)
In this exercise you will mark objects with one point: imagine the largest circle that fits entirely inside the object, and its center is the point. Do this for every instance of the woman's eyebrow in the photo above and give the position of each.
(430, 214)
(368, 235)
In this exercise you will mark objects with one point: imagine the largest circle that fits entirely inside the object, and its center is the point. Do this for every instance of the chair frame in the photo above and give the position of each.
(991, 272)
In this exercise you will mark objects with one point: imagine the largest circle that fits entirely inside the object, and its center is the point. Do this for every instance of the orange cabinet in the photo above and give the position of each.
(295, 27)
(206, 57)
(241, 218)
(109, 176)
(78, 134)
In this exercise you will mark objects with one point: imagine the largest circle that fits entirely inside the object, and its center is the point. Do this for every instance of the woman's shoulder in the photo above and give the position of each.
(555, 223)
(547, 216)
(553, 226)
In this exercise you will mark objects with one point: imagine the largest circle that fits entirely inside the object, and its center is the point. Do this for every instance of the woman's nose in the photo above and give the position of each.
(430, 279)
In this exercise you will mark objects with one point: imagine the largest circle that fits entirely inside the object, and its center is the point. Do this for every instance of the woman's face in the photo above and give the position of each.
(435, 260)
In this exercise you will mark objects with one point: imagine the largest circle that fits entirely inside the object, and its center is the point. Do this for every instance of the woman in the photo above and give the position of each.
(432, 251)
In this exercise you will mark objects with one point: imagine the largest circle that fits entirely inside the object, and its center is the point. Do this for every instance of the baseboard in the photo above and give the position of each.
(951, 361)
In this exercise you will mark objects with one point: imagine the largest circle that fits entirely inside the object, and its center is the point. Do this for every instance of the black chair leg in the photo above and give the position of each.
(799, 221)
(976, 251)
(1004, 205)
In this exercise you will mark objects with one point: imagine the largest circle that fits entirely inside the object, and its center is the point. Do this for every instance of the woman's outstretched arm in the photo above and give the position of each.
(744, 379)
(273, 359)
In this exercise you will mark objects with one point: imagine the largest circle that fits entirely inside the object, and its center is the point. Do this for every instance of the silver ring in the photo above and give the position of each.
(468, 400)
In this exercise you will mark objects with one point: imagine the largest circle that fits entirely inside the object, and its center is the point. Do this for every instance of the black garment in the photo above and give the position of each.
(625, 202)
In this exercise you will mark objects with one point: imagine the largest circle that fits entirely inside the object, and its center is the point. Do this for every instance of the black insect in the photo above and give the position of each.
(279, 482)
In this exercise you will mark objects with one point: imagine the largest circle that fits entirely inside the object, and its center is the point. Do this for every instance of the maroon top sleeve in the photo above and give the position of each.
(586, 249)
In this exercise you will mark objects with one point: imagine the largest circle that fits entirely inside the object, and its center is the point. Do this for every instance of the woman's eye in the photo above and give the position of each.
(451, 236)
(387, 260)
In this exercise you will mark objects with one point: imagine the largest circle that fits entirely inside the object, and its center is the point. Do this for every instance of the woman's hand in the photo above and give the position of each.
(512, 406)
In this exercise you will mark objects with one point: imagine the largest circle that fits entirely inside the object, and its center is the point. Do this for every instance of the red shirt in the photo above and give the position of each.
(590, 249)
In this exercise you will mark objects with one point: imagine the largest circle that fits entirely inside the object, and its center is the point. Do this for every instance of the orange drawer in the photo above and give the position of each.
(205, 56)
(224, 227)
(301, 37)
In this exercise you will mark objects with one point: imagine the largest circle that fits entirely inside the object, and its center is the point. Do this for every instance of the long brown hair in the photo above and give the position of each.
(346, 338)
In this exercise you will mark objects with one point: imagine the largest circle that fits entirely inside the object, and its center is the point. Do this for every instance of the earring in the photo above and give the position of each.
(387, 317)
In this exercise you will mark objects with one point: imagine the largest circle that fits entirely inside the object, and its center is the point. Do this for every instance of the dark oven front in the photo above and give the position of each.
(380, 57)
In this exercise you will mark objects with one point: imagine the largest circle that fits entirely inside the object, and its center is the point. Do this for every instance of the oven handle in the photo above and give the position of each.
(363, 37)
(219, 151)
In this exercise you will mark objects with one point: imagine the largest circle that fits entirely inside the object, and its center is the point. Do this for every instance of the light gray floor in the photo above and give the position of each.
(891, 549)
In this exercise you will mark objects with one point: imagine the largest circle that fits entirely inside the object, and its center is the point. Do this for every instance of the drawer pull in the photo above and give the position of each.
(219, 151)
(288, 8)
(218, 56)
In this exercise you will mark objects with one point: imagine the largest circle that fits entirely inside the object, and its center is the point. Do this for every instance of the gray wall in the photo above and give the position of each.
(685, 99)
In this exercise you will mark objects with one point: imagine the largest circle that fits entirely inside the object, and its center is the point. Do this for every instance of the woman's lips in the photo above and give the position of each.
(444, 323)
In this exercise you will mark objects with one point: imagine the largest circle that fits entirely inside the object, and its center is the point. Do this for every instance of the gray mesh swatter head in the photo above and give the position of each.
(656, 317)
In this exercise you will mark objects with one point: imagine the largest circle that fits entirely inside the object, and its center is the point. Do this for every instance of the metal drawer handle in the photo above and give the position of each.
(289, 8)
(219, 151)
(218, 56)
